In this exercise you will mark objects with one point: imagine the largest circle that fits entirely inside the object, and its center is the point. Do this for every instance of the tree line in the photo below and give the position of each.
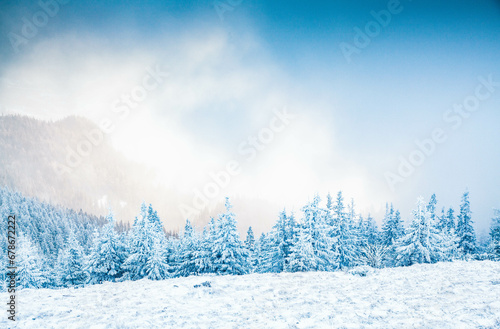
(326, 237)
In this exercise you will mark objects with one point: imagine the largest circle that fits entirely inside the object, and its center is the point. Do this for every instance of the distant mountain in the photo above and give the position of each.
(69, 162)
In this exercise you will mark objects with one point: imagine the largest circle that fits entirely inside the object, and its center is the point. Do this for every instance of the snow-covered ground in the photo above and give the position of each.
(444, 295)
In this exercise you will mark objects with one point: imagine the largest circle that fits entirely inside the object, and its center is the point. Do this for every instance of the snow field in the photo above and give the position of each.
(443, 295)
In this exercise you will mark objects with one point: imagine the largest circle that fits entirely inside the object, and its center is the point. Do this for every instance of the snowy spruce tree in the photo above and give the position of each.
(369, 231)
(465, 230)
(147, 256)
(392, 227)
(188, 252)
(250, 239)
(302, 256)
(494, 247)
(203, 254)
(431, 208)
(442, 221)
(450, 220)
(252, 252)
(157, 266)
(422, 243)
(139, 247)
(229, 254)
(315, 228)
(70, 270)
(108, 254)
(277, 245)
(32, 271)
(344, 242)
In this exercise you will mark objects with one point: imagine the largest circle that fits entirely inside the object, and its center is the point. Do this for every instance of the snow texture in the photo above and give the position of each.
(444, 295)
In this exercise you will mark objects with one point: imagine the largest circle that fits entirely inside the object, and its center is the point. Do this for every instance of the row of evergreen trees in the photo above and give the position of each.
(325, 238)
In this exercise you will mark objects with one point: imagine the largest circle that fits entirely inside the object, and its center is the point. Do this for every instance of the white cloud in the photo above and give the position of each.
(72, 75)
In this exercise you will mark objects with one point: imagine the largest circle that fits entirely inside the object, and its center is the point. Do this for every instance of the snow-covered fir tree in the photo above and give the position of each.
(344, 243)
(277, 245)
(188, 252)
(108, 254)
(316, 227)
(138, 247)
(204, 260)
(465, 231)
(32, 271)
(250, 245)
(157, 266)
(259, 249)
(422, 243)
(392, 227)
(70, 270)
(431, 208)
(302, 256)
(450, 220)
(250, 239)
(442, 224)
(495, 236)
(229, 253)
(147, 253)
(370, 232)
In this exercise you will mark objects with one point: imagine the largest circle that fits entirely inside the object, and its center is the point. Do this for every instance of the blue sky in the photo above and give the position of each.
(354, 120)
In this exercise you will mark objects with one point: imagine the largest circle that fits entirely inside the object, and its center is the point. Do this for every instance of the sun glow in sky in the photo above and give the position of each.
(224, 69)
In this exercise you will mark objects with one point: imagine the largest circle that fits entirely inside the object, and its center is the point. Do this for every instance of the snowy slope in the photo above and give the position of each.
(444, 295)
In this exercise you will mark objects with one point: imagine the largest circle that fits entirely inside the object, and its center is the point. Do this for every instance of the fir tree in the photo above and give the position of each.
(250, 239)
(157, 266)
(302, 257)
(203, 253)
(316, 229)
(392, 229)
(188, 252)
(71, 264)
(329, 202)
(443, 221)
(250, 245)
(229, 253)
(465, 230)
(31, 269)
(370, 231)
(422, 243)
(450, 219)
(147, 255)
(276, 247)
(495, 236)
(108, 255)
(344, 239)
(139, 247)
(431, 208)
